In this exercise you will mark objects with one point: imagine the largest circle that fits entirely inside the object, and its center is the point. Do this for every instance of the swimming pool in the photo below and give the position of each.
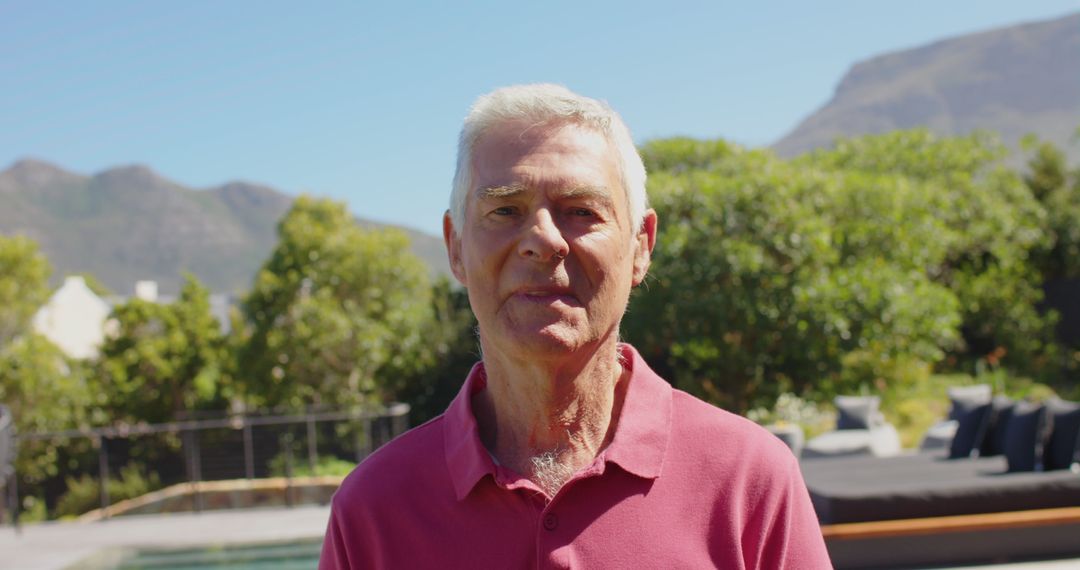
(300, 555)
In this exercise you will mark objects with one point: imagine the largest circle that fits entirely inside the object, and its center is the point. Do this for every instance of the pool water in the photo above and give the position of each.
(275, 556)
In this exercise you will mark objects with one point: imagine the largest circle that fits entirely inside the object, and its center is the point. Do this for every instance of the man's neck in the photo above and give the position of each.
(546, 419)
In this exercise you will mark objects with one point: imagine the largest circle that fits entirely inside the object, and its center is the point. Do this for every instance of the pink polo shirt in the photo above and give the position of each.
(683, 484)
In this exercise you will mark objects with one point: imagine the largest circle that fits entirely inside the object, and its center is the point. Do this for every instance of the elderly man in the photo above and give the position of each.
(563, 449)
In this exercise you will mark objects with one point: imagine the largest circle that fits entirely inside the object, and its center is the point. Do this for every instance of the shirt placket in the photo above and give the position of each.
(551, 543)
(553, 549)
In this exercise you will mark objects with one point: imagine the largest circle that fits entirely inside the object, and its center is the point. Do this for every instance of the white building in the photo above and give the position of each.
(74, 319)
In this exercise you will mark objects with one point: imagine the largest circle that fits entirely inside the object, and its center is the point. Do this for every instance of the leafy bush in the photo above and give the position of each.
(865, 371)
(162, 359)
(84, 493)
(336, 313)
(325, 465)
(989, 224)
(33, 510)
(791, 409)
(451, 349)
(912, 407)
(867, 263)
(767, 273)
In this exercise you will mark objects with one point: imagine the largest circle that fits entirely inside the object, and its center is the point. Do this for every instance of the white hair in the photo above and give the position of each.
(546, 103)
(549, 473)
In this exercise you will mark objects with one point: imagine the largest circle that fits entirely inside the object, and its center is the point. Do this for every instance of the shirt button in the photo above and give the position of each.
(551, 522)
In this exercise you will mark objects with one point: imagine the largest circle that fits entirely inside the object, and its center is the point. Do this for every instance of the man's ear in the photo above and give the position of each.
(645, 242)
(453, 248)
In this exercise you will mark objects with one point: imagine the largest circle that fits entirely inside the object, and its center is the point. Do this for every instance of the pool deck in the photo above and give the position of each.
(60, 545)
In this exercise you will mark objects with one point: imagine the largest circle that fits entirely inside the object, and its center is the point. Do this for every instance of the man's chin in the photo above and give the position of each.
(549, 340)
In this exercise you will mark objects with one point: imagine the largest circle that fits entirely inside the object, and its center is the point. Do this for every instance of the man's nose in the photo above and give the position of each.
(543, 240)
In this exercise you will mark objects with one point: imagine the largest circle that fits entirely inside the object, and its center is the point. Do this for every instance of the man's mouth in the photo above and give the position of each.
(546, 295)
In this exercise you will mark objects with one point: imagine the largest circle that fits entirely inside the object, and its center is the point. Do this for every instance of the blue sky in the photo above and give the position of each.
(363, 102)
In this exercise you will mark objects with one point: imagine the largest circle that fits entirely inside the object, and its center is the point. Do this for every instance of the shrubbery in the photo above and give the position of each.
(325, 465)
(867, 265)
(84, 493)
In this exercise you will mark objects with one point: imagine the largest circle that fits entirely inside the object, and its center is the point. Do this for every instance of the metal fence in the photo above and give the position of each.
(246, 446)
(7, 453)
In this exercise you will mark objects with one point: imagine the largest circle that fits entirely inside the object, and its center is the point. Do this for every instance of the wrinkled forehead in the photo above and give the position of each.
(564, 153)
(521, 136)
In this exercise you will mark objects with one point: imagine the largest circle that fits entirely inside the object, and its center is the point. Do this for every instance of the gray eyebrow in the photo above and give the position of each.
(489, 192)
(499, 191)
(594, 192)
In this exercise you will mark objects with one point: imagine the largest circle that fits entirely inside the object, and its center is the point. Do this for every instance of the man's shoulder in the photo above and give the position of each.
(751, 480)
(717, 432)
(412, 458)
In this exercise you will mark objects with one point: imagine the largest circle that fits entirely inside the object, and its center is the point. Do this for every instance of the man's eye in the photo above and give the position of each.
(503, 211)
(581, 212)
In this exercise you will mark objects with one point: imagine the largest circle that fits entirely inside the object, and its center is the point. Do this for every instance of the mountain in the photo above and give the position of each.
(129, 223)
(1013, 80)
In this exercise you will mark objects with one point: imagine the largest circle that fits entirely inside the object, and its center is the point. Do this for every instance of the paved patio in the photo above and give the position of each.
(58, 545)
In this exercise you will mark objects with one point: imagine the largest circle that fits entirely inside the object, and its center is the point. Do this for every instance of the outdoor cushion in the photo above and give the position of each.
(939, 435)
(879, 441)
(1025, 436)
(856, 412)
(792, 436)
(992, 440)
(971, 411)
(907, 486)
(1061, 452)
(975, 394)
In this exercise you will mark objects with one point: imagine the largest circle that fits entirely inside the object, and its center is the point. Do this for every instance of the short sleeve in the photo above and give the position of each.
(787, 527)
(334, 555)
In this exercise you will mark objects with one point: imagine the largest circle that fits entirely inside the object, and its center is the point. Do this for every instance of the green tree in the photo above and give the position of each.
(43, 388)
(1050, 180)
(840, 267)
(990, 223)
(37, 381)
(767, 273)
(24, 275)
(1058, 188)
(450, 349)
(336, 314)
(46, 393)
(1046, 169)
(94, 284)
(162, 359)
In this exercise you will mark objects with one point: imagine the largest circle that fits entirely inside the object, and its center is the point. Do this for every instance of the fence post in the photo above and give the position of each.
(191, 446)
(312, 445)
(15, 502)
(359, 445)
(197, 459)
(189, 465)
(370, 425)
(363, 437)
(103, 474)
(10, 500)
(400, 418)
(249, 452)
(6, 501)
(288, 439)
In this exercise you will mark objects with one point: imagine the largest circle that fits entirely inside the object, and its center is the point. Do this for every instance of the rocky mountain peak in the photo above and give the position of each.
(33, 173)
(134, 175)
(1015, 80)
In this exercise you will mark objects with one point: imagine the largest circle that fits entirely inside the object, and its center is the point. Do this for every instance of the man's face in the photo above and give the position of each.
(547, 250)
